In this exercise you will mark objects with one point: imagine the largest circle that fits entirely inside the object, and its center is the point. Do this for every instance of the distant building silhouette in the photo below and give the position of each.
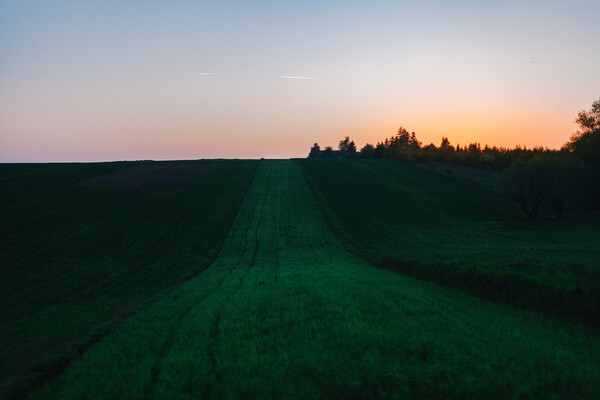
(327, 153)
(332, 154)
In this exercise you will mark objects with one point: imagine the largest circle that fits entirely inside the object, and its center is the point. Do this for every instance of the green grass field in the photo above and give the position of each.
(76, 260)
(426, 224)
(285, 311)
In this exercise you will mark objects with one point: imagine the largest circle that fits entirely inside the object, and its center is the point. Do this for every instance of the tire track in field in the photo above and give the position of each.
(214, 372)
(347, 326)
(168, 343)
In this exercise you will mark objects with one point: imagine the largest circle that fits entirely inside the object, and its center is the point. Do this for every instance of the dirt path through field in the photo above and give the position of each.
(286, 312)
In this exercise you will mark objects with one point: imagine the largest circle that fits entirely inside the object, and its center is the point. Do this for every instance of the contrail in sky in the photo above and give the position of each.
(297, 77)
(206, 73)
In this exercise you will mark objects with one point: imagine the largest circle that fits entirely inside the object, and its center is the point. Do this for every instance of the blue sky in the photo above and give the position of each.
(83, 81)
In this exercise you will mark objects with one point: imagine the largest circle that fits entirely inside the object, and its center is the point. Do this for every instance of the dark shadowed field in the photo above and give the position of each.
(292, 304)
(155, 174)
(434, 227)
(85, 245)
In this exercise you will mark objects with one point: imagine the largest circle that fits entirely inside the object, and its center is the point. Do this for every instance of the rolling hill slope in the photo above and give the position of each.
(75, 260)
(434, 227)
(286, 312)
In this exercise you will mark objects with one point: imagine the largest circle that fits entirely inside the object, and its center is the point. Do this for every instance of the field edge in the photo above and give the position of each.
(574, 306)
(44, 371)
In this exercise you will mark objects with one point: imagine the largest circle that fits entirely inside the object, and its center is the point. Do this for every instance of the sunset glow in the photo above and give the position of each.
(191, 80)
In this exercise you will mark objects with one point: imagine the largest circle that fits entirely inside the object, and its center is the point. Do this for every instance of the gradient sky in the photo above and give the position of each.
(115, 80)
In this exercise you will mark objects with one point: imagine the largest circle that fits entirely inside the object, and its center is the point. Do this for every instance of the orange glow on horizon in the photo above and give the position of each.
(196, 81)
(502, 129)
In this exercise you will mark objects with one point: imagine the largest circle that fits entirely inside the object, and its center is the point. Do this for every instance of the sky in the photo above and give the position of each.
(115, 80)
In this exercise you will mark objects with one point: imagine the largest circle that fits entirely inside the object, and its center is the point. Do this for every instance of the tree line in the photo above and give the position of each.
(405, 146)
(531, 177)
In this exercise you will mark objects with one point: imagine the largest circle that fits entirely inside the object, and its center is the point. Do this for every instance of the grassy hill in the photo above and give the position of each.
(286, 312)
(75, 259)
(437, 228)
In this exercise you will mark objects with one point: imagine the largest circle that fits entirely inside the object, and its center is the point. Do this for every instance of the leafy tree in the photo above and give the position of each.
(403, 145)
(351, 150)
(379, 151)
(589, 124)
(563, 174)
(430, 148)
(347, 147)
(526, 183)
(554, 178)
(446, 144)
(474, 149)
(413, 143)
(367, 151)
(401, 140)
(328, 153)
(566, 177)
(585, 144)
(589, 121)
(315, 151)
(446, 151)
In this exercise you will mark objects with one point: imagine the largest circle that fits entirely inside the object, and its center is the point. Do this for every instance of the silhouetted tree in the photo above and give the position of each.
(446, 151)
(413, 143)
(328, 153)
(551, 177)
(403, 143)
(430, 148)
(401, 140)
(379, 151)
(367, 151)
(566, 178)
(446, 144)
(406, 146)
(347, 147)
(589, 121)
(315, 151)
(475, 149)
(589, 124)
(526, 183)
(585, 144)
